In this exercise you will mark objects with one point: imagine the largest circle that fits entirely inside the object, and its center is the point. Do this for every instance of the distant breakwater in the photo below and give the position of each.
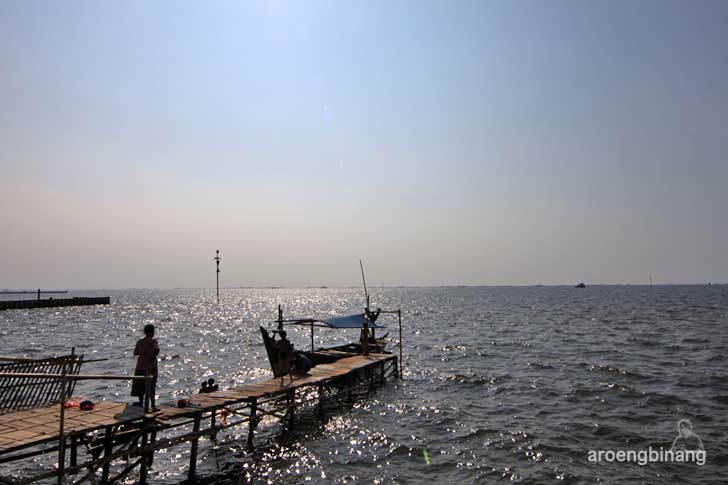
(50, 302)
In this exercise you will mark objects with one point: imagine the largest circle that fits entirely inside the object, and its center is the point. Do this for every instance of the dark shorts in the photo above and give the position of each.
(284, 363)
(138, 385)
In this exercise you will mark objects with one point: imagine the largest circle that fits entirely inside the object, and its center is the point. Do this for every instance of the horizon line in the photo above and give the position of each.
(309, 287)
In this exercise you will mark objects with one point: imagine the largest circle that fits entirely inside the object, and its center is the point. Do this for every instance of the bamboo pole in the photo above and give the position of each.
(45, 389)
(74, 450)
(320, 400)
(193, 451)
(152, 439)
(61, 435)
(13, 392)
(143, 462)
(213, 413)
(251, 422)
(87, 377)
(108, 449)
(8, 358)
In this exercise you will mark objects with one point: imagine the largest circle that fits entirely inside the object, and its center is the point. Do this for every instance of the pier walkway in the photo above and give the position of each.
(134, 434)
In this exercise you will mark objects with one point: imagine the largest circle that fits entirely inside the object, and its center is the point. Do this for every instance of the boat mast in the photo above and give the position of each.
(366, 294)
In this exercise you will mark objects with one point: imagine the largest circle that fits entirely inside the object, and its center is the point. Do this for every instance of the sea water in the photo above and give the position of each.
(513, 384)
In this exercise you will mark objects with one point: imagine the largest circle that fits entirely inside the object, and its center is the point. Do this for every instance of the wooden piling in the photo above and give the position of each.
(213, 435)
(252, 422)
(320, 400)
(193, 449)
(108, 431)
(312, 347)
(61, 430)
(143, 461)
(74, 450)
(292, 401)
(153, 439)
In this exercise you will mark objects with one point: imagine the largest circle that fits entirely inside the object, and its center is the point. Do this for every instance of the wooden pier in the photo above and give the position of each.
(112, 430)
(51, 302)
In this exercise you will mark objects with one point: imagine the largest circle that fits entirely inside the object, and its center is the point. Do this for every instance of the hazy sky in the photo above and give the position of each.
(448, 142)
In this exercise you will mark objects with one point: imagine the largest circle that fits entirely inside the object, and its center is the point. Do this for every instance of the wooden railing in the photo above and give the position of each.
(24, 385)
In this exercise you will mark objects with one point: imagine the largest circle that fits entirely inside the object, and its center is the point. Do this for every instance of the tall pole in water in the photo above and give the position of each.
(217, 274)
(399, 316)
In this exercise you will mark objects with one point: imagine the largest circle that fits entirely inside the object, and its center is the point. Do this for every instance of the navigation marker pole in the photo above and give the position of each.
(399, 316)
(217, 259)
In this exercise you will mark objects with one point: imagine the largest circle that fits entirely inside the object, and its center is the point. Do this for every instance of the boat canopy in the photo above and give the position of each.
(349, 321)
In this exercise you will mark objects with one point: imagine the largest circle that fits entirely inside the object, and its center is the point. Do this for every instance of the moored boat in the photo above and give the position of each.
(368, 342)
(325, 355)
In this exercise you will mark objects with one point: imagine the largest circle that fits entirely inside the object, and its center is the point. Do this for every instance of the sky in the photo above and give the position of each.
(466, 142)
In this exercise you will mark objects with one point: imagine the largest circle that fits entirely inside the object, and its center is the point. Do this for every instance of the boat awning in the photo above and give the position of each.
(350, 321)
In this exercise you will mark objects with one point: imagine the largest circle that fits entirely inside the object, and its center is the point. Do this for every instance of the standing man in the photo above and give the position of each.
(285, 355)
(146, 350)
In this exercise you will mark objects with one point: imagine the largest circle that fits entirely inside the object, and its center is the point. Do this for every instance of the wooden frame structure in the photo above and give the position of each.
(129, 432)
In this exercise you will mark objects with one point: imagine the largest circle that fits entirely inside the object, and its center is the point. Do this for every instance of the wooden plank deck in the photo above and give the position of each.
(23, 429)
(269, 388)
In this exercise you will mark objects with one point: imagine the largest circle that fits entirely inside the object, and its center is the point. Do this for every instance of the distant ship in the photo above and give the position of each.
(580, 285)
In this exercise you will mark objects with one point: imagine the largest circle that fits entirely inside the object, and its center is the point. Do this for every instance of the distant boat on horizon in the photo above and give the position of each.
(580, 285)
